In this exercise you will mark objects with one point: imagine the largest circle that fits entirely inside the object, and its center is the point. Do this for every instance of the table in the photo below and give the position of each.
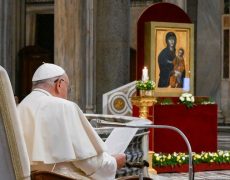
(199, 124)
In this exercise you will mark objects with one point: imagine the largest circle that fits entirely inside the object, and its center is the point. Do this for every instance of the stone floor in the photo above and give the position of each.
(223, 144)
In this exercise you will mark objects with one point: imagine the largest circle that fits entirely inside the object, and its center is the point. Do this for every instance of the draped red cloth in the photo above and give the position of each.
(199, 124)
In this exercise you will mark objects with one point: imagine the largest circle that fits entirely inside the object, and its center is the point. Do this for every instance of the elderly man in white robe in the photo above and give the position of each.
(58, 136)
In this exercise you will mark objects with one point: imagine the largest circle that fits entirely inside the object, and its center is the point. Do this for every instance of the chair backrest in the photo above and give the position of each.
(13, 154)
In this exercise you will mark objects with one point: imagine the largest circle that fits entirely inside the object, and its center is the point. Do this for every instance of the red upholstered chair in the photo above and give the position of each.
(13, 153)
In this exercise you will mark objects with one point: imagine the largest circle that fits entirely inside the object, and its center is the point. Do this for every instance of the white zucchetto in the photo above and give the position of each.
(47, 71)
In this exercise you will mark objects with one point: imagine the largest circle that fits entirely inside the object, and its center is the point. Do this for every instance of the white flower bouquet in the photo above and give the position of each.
(187, 99)
(160, 159)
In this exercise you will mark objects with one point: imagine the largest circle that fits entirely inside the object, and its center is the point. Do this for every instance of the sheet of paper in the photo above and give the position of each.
(119, 139)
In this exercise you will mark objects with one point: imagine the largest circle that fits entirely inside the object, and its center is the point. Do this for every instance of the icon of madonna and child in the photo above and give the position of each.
(171, 64)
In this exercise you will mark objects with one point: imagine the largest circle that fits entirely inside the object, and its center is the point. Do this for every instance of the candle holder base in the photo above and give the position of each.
(143, 102)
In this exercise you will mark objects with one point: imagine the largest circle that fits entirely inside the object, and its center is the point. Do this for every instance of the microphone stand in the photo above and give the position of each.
(103, 123)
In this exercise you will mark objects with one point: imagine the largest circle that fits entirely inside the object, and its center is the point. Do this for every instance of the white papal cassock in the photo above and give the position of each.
(59, 138)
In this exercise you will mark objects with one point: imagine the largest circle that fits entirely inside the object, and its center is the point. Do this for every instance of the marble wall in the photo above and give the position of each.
(10, 41)
(5, 33)
(112, 46)
(70, 44)
(11, 35)
(208, 68)
(181, 3)
(208, 62)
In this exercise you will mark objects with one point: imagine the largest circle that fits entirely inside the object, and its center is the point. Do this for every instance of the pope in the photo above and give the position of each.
(58, 136)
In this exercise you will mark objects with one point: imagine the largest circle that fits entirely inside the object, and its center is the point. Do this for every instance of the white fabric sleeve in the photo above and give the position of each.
(99, 167)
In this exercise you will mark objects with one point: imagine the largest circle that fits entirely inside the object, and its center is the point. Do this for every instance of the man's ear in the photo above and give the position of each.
(58, 87)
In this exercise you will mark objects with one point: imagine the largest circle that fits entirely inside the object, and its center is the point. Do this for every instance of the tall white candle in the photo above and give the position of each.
(145, 76)
(186, 84)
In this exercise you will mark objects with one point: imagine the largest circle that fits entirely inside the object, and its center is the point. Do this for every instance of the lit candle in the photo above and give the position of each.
(145, 76)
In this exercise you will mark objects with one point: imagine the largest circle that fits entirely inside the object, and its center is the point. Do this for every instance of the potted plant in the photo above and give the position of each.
(145, 88)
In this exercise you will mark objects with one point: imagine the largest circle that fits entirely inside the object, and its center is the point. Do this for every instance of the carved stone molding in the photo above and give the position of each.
(117, 101)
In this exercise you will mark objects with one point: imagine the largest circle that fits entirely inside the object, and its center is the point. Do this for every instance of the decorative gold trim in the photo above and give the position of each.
(154, 40)
(119, 104)
(150, 160)
(143, 102)
(5, 111)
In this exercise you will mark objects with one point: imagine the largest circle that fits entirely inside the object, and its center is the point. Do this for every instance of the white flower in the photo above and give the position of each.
(211, 154)
(192, 99)
(221, 152)
(169, 156)
(187, 99)
(187, 95)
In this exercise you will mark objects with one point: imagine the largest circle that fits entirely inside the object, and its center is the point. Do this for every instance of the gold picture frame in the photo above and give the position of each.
(170, 67)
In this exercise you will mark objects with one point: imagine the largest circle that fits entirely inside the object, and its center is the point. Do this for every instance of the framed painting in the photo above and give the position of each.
(169, 54)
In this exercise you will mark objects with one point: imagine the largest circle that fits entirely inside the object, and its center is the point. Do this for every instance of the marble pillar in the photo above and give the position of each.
(112, 46)
(192, 11)
(70, 44)
(11, 40)
(208, 61)
(11, 35)
(181, 3)
(90, 99)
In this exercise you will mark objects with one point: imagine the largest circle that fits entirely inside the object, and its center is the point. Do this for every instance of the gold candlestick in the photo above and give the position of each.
(143, 102)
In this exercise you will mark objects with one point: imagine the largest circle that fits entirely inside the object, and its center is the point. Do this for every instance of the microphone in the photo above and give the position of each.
(104, 123)
(134, 124)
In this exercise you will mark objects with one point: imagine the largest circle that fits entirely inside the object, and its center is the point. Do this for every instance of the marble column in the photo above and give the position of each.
(112, 46)
(181, 3)
(11, 35)
(11, 40)
(208, 62)
(90, 102)
(70, 43)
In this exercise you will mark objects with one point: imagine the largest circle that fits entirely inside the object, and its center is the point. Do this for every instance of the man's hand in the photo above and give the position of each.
(121, 160)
